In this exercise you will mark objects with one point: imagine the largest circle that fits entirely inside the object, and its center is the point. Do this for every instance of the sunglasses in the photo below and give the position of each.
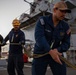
(62, 11)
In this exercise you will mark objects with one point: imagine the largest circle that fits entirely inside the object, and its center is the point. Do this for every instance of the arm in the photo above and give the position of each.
(22, 38)
(42, 42)
(40, 36)
(55, 53)
(65, 42)
(5, 40)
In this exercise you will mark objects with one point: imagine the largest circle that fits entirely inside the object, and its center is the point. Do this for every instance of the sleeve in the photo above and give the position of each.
(5, 40)
(40, 36)
(65, 44)
(7, 37)
(22, 38)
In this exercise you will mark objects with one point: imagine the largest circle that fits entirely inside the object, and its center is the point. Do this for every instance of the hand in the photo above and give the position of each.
(55, 55)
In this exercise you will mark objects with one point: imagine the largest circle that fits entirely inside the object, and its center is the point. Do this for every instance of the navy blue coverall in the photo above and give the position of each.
(15, 58)
(45, 35)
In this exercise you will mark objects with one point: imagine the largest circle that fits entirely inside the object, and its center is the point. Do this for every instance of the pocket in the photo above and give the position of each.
(48, 33)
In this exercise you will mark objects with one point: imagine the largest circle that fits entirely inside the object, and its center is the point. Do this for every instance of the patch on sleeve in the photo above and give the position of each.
(68, 31)
(42, 21)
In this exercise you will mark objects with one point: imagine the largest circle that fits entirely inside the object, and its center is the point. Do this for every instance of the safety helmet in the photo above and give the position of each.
(16, 22)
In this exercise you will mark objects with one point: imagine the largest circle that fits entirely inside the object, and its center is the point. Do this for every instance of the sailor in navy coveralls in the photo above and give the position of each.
(52, 35)
(16, 38)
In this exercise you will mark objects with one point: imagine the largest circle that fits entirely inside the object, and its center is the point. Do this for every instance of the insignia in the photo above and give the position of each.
(61, 33)
(17, 35)
(42, 21)
(47, 30)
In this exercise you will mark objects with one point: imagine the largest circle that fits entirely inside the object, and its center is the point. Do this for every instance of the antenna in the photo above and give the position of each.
(33, 6)
(29, 3)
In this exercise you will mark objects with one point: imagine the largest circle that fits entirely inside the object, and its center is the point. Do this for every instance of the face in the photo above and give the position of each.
(16, 25)
(59, 14)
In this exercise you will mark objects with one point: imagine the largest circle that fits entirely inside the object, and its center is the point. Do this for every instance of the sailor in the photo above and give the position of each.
(16, 38)
(52, 35)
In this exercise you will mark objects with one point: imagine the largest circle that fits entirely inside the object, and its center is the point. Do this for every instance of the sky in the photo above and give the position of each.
(9, 10)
